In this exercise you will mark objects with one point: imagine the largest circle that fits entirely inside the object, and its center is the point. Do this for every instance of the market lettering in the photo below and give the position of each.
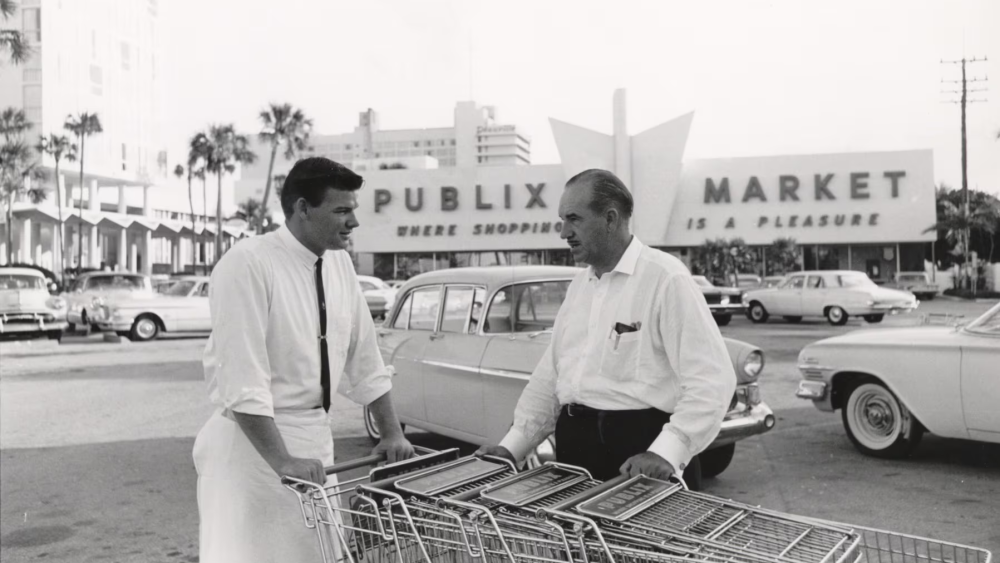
(795, 221)
(426, 230)
(718, 190)
(451, 199)
(413, 231)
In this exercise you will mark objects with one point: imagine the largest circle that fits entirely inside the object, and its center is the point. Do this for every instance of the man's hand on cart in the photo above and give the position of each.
(648, 464)
(496, 451)
(395, 447)
(300, 468)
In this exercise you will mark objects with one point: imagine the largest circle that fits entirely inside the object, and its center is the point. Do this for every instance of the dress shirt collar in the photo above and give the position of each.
(626, 264)
(301, 253)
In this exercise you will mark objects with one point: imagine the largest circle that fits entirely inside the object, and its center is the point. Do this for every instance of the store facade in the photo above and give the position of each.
(861, 211)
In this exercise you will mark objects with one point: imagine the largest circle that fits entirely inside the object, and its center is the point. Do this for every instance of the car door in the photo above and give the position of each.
(453, 387)
(788, 298)
(814, 295)
(402, 343)
(981, 379)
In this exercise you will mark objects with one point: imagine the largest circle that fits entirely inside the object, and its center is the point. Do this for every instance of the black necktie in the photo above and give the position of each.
(324, 358)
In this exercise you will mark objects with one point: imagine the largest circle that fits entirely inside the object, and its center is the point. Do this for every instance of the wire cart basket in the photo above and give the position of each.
(442, 507)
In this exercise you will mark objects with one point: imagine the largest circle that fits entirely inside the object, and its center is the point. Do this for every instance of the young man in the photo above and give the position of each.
(637, 378)
(289, 327)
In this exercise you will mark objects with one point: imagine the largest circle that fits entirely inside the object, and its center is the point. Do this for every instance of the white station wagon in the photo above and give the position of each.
(465, 341)
(833, 294)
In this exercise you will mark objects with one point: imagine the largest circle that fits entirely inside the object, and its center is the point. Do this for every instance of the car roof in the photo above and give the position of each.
(22, 272)
(493, 276)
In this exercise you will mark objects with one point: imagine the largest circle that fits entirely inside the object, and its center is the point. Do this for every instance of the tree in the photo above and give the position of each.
(225, 149)
(285, 126)
(10, 39)
(179, 171)
(392, 166)
(59, 148)
(279, 184)
(958, 225)
(83, 126)
(18, 165)
(782, 256)
(249, 211)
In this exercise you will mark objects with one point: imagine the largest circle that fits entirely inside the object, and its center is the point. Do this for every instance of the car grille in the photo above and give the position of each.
(26, 318)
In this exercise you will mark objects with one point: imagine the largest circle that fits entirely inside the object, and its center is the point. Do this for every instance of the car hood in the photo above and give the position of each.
(914, 336)
(23, 299)
(149, 302)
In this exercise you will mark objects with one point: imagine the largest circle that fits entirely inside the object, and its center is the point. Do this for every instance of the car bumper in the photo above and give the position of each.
(115, 326)
(731, 309)
(884, 309)
(32, 327)
(756, 420)
(816, 391)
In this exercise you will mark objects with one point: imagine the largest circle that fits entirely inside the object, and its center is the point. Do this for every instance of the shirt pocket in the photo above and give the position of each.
(621, 356)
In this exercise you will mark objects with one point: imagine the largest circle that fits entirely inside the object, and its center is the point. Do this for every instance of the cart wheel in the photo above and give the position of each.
(758, 314)
(878, 424)
(372, 429)
(836, 316)
(716, 460)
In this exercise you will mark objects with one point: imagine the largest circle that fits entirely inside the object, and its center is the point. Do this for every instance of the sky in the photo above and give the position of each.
(764, 78)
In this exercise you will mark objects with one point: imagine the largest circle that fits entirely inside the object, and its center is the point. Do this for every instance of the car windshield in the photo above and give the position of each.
(702, 281)
(179, 288)
(116, 283)
(21, 281)
(989, 323)
(855, 280)
(919, 278)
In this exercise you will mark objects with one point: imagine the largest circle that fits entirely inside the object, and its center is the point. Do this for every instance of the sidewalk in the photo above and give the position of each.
(90, 344)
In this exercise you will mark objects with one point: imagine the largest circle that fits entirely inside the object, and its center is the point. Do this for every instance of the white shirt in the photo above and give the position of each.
(676, 362)
(263, 355)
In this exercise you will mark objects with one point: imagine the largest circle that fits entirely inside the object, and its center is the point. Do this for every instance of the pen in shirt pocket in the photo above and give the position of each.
(618, 329)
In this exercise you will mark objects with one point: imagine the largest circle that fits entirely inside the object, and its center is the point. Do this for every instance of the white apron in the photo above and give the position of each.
(247, 515)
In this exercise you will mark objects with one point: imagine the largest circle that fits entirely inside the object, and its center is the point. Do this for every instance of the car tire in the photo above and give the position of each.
(879, 424)
(371, 428)
(757, 313)
(144, 329)
(722, 320)
(874, 319)
(54, 335)
(793, 319)
(716, 460)
(71, 327)
(836, 316)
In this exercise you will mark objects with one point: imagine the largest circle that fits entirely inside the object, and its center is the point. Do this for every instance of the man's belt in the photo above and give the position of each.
(578, 410)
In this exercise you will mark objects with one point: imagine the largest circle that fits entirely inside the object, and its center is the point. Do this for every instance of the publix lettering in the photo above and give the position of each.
(450, 199)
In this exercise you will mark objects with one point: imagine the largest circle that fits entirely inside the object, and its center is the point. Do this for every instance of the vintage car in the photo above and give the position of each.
(917, 283)
(893, 384)
(770, 281)
(180, 307)
(834, 294)
(90, 289)
(463, 343)
(379, 295)
(723, 301)
(26, 307)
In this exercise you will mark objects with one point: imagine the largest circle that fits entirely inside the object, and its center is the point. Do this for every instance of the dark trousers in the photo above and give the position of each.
(601, 441)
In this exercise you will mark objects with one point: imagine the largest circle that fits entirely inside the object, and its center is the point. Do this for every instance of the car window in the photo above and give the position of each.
(424, 308)
(367, 286)
(794, 282)
(78, 285)
(815, 282)
(538, 304)
(498, 317)
(116, 283)
(855, 280)
(20, 281)
(478, 302)
(989, 323)
(204, 290)
(457, 302)
(179, 288)
(403, 317)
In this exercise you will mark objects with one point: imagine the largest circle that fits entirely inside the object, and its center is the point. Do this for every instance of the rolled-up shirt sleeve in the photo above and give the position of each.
(366, 376)
(237, 357)
(698, 355)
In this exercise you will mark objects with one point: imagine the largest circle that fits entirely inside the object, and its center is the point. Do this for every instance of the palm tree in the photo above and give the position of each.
(16, 165)
(83, 126)
(12, 40)
(782, 256)
(59, 148)
(282, 125)
(179, 171)
(249, 211)
(225, 149)
(957, 224)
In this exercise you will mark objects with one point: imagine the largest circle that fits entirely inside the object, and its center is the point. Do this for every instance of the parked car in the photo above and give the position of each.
(747, 281)
(917, 283)
(90, 289)
(379, 295)
(893, 384)
(834, 294)
(723, 301)
(770, 281)
(464, 342)
(181, 307)
(26, 307)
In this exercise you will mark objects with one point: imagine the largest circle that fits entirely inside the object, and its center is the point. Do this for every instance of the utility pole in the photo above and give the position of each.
(964, 100)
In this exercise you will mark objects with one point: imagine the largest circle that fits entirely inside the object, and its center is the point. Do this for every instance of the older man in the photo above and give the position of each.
(636, 379)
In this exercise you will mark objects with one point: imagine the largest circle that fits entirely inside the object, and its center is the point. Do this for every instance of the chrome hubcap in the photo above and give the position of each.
(836, 314)
(146, 328)
(757, 312)
(877, 420)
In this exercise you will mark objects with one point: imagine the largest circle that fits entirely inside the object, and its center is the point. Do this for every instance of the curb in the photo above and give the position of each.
(51, 347)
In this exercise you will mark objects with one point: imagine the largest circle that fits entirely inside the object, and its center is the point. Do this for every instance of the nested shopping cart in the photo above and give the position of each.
(440, 507)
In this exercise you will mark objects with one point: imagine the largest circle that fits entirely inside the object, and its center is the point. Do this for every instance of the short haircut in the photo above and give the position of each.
(311, 177)
(608, 190)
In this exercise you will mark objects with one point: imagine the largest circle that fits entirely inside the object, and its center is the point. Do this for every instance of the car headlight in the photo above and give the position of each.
(724, 300)
(745, 299)
(57, 303)
(753, 364)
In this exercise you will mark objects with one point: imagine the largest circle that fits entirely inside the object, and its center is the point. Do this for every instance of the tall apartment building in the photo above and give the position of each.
(475, 139)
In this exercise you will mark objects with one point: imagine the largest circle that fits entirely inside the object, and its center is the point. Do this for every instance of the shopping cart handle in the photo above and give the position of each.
(368, 460)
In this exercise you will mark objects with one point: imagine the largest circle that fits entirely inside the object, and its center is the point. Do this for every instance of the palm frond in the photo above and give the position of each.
(14, 42)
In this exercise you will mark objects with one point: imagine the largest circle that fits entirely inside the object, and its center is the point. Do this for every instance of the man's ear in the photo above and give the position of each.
(612, 218)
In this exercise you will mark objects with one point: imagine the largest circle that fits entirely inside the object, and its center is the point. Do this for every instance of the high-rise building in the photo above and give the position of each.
(475, 139)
